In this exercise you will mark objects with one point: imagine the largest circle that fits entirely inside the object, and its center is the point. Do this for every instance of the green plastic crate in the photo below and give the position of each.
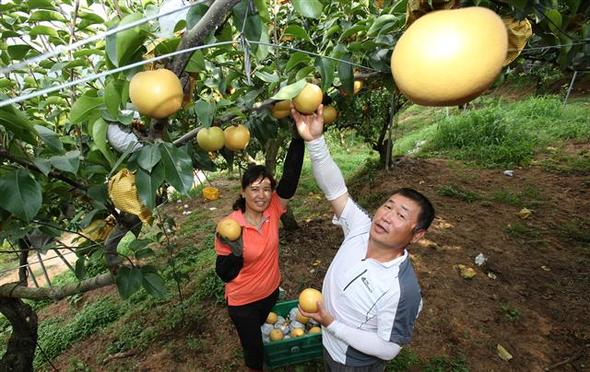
(292, 350)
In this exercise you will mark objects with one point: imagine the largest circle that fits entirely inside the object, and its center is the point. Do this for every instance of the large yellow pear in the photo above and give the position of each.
(308, 299)
(281, 109)
(236, 137)
(156, 93)
(211, 139)
(330, 114)
(308, 100)
(449, 57)
(276, 334)
(229, 229)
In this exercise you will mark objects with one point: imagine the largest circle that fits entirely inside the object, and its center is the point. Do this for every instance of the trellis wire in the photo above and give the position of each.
(158, 58)
(62, 49)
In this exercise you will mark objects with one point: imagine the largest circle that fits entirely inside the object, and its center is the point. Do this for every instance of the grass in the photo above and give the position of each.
(520, 231)
(56, 334)
(500, 134)
(457, 192)
(407, 360)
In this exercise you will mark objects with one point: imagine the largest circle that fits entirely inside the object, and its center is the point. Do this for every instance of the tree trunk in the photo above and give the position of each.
(271, 153)
(289, 221)
(20, 351)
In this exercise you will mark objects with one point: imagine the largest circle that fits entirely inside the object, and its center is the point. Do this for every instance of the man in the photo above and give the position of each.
(370, 292)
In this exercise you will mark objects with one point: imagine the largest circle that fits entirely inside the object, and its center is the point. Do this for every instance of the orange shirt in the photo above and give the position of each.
(260, 275)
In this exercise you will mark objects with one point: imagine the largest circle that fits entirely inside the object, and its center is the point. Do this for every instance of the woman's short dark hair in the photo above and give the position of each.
(253, 173)
(426, 215)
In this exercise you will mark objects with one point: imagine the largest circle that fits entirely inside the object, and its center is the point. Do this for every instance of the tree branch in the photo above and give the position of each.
(14, 290)
(213, 19)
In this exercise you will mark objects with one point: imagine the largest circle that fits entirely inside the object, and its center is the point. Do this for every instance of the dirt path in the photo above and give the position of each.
(53, 263)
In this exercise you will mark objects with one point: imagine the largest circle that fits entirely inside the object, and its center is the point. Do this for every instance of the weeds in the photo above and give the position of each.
(56, 335)
(456, 192)
(520, 231)
(512, 314)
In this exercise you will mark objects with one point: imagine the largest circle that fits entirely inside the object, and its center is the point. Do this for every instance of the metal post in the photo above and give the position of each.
(569, 90)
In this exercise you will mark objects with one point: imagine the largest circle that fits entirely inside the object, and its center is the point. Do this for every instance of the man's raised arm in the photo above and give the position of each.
(325, 171)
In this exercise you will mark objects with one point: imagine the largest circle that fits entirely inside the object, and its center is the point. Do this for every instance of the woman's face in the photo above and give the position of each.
(258, 195)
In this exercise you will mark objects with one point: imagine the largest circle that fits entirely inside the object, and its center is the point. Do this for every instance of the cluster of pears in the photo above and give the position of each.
(158, 94)
(307, 102)
(234, 138)
(294, 325)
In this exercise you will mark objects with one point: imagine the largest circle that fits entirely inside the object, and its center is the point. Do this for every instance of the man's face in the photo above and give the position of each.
(258, 195)
(395, 221)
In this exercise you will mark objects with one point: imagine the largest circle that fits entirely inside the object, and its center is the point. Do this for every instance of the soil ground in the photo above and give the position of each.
(531, 296)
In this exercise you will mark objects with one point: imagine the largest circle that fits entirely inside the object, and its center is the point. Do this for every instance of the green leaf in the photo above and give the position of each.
(290, 91)
(88, 52)
(46, 15)
(295, 59)
(18, 51)
(112, 96)
(254, 28)
(195, 14)
(262, 10)
(352, 31)
(43, 30)
(144, 253)
(153, 282)
(16, 122)
(555, 20)
(80, 268)
(138, 244)
(178, 167)
(196, 63)
(148, 157)
(44, 165)
(308, 8)
(50, 138)
(40, 4)
(20, 194)
(346, 74)
(85, 107)
(266, 77)
(99, 194)
(128, 280)
(91, 18)
(69, 162)
(167, 46)
(380, 23)
(6, 83)
(304, 72)
(99, 135)
(326, 69)
(573, 5)
(297, 32)
(148, 183)
(205, 112)
(123, 46)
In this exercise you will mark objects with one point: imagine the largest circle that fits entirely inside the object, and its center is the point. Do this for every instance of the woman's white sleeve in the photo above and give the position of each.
(325, 171)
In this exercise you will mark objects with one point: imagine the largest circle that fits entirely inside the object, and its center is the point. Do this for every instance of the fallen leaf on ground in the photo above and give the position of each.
(465, 271)
(524, 213)
(503, 353)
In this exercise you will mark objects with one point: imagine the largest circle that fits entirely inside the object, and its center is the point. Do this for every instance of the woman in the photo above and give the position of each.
(250, 265)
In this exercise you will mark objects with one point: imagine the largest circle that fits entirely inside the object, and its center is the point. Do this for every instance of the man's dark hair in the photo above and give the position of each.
(426, 214)
(253, 173)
